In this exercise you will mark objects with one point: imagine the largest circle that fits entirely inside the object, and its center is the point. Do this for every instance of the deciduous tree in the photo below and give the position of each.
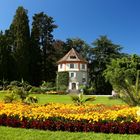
(102, 54)
(123, 74)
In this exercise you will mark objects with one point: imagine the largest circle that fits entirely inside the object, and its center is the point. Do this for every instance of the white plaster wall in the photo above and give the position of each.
(70, 86)
(66, 67)
(63, 67)
(77, 85)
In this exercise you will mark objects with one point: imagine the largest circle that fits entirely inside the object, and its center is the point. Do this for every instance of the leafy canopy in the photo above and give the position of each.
(123, 74)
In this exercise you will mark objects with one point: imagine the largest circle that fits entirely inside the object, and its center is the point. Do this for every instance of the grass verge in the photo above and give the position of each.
(8, 133)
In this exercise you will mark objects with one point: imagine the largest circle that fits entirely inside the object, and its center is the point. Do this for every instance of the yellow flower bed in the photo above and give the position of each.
(56, 92)
(90, 113)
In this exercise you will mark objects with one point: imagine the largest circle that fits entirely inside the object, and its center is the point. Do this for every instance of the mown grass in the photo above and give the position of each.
(7, 133)
(44, 98)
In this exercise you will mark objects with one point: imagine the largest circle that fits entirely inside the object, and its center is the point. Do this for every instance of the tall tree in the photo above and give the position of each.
(42, 39)
(122, 68)
(79, 45)
(60, 49)
(20, 33)
(103, 52)
(35, 51)
(6, 59)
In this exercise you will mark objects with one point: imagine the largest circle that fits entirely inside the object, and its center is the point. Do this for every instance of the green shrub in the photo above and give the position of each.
(88, 90)
(129, 92)
(15, 83)
(31, 99)
(79, 99)
(10, 97)
(23, 84)
(35, 90)
(117, 96)
(47, 84)
(62, 88)
(4, 84)
(51, 89)
(20, 93)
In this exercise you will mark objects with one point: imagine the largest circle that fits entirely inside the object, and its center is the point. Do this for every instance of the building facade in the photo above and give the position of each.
(76, 66)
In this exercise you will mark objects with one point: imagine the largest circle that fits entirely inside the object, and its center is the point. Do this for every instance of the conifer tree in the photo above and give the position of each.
(20, 34)
(6, 60)
(42, 40)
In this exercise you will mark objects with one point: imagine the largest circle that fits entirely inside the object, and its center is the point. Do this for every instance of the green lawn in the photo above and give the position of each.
(44, 98)
(7, 133)
(67, 99)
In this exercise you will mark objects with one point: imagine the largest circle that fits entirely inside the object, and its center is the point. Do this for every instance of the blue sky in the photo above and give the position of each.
(86, 19)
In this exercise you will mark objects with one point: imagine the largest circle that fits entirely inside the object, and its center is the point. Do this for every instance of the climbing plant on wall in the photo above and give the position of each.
(62, 80)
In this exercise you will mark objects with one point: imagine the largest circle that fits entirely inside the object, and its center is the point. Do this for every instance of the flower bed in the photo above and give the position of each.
(56, 92)
(68, 117)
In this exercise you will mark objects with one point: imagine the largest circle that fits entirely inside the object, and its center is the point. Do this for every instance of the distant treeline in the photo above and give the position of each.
(31, 53)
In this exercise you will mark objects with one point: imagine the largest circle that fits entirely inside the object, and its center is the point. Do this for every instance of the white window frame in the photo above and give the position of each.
(74, 74)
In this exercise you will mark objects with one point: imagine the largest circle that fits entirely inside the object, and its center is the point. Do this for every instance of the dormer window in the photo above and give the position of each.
(72, 57)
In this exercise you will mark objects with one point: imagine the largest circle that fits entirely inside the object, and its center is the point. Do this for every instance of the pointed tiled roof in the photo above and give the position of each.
(72, 55)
